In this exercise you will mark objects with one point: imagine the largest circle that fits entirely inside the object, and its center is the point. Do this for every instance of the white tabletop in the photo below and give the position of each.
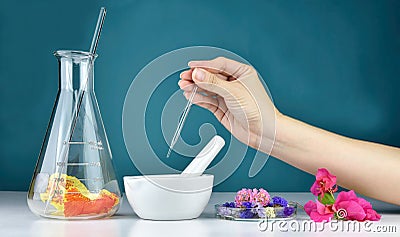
(17, 220)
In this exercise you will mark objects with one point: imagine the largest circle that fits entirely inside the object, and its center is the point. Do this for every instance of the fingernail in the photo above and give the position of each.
(199, 74)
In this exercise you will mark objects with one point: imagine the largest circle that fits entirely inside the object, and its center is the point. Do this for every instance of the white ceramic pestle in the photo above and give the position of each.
(204, 158)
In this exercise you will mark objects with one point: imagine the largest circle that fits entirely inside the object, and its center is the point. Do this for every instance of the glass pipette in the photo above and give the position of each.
(182, 120)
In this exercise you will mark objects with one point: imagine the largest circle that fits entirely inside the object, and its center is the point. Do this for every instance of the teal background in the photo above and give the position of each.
(333, 64)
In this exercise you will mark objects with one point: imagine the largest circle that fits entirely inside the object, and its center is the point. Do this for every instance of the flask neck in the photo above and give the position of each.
(76, 70)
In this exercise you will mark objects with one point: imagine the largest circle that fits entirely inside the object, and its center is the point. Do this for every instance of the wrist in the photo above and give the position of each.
(265, 139)
(282, 129)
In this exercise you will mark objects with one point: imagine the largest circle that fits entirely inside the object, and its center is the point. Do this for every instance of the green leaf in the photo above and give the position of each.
(327, 199)
(336, 216)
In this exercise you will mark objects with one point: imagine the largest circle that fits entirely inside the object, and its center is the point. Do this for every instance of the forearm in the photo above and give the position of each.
(370, 169)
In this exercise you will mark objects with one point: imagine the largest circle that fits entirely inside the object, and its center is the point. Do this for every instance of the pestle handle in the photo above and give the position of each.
(204, 158)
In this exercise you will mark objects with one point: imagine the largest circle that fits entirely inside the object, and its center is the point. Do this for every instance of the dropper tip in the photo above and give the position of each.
(169, 153)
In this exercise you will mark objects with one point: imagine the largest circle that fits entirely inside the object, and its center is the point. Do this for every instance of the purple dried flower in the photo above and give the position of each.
(229, 204)
(246, 214)
(224, 211)
(261, 212)
(247, 204)
(278, 201)
(288, 211)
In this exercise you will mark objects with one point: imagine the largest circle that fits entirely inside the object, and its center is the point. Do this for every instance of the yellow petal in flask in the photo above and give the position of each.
(71, 197)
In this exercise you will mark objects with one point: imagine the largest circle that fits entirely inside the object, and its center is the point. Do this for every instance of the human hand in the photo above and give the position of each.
(233, 92)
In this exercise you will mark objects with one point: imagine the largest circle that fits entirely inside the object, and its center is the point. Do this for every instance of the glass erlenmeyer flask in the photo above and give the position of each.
(74, 176)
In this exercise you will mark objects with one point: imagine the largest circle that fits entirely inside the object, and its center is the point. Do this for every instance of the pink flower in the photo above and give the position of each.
(318, 212)
(356, 208)
(254, 196)
(372, 215)
(348, 203)
(262, 197)
(244, 195)
(325, 182)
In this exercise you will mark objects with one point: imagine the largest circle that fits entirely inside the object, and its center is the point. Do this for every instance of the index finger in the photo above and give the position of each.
(187, 75)
(221, 65)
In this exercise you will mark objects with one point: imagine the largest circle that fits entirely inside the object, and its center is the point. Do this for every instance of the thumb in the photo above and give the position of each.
(210, 82)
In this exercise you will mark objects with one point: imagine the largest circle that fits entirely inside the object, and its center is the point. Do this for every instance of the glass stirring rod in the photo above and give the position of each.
(182, 120)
